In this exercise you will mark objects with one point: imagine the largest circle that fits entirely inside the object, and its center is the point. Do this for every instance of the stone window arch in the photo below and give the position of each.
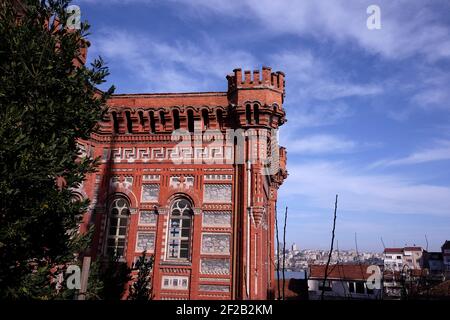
(117, 232)
(180, 230)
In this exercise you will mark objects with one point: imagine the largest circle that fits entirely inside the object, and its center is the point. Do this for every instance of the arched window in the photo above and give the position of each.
(162, 119)
(179, 243)
(248, 114)
(205, 118)
(129, 123)
(219, 115)
(190, 114)
(176, 119)
(256, 110)
(119, 214)
(152, 122)
(115, 122)
(141, 119)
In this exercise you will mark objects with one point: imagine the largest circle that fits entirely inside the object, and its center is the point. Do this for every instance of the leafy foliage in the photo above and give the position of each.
(47, 103)
(141, 288)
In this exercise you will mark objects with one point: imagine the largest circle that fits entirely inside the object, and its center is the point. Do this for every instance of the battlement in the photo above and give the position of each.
(256, 79)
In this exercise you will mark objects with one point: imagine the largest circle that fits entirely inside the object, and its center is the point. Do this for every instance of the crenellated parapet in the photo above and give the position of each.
(256, 79)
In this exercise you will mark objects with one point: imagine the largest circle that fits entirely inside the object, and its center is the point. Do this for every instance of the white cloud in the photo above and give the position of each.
(169, 67)
(314, 184)
(318, 144)
(318, 79)
(436, 153)
(408, 27)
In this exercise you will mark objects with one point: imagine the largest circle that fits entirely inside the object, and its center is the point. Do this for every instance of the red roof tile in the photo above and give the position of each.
(393, 250)
(341, 271)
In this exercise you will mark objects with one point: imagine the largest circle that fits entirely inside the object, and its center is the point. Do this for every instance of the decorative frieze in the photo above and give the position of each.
(217, 193)
(215, 243)
(151, 177)
(212, 177)
(214, 287)
(150, 193)
(215, 266)
(216, 219)
(135, 154)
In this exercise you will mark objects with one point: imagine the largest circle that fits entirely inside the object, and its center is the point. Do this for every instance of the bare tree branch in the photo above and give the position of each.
(331, 250)
(284, 248)
(278, 254)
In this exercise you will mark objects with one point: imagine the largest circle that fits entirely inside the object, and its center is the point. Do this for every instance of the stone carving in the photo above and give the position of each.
(216, 243)
(215, 266)
(214, 287)
(216, 218)
(181, 182)
(147, 217)
(217, 193)
(150, 193)
(121, 182)
(145, 241)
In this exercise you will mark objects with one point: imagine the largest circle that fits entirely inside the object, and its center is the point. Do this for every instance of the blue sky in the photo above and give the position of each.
(368, 110)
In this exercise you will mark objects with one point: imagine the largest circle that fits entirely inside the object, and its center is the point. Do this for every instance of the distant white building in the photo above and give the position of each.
(294, 247)
(393, 259)
(344, 281)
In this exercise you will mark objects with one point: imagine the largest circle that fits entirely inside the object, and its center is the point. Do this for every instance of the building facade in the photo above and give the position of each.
(396, 259)
(343, 281)
(192, 179)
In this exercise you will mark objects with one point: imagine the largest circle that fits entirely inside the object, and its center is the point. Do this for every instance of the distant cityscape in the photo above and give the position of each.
(404, 272)
(299, 260)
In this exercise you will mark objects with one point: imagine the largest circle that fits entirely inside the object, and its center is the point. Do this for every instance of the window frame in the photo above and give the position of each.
(176, 237)
(118, 226)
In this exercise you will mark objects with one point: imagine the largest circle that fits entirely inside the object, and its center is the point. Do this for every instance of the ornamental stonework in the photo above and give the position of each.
(145, 241)
(216, 219)
(217, 193)
(214, 287)
(215, 243)
(150, 193)
(147, 218)
(215, 266)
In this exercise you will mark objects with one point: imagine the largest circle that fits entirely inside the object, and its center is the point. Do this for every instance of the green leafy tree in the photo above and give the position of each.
(47, 103)
(141, 287)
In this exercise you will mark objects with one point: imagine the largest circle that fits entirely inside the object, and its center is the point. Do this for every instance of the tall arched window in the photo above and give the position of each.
(256, 110)
(190, 114)
(179, 243)
(115, 122)
(248, 114)
(152, 122)
(119, 214)
(205, 118)
(176, 119)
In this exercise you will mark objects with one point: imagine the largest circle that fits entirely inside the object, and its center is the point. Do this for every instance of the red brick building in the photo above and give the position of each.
(192, 178)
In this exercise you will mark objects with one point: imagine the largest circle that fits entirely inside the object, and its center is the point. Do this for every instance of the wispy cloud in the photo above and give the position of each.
(319, 144)
(408, 27)
(314, 183)
(165, 66)
(439, 152)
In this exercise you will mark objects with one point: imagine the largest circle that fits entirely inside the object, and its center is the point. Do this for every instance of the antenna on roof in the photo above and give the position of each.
(426, 239)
